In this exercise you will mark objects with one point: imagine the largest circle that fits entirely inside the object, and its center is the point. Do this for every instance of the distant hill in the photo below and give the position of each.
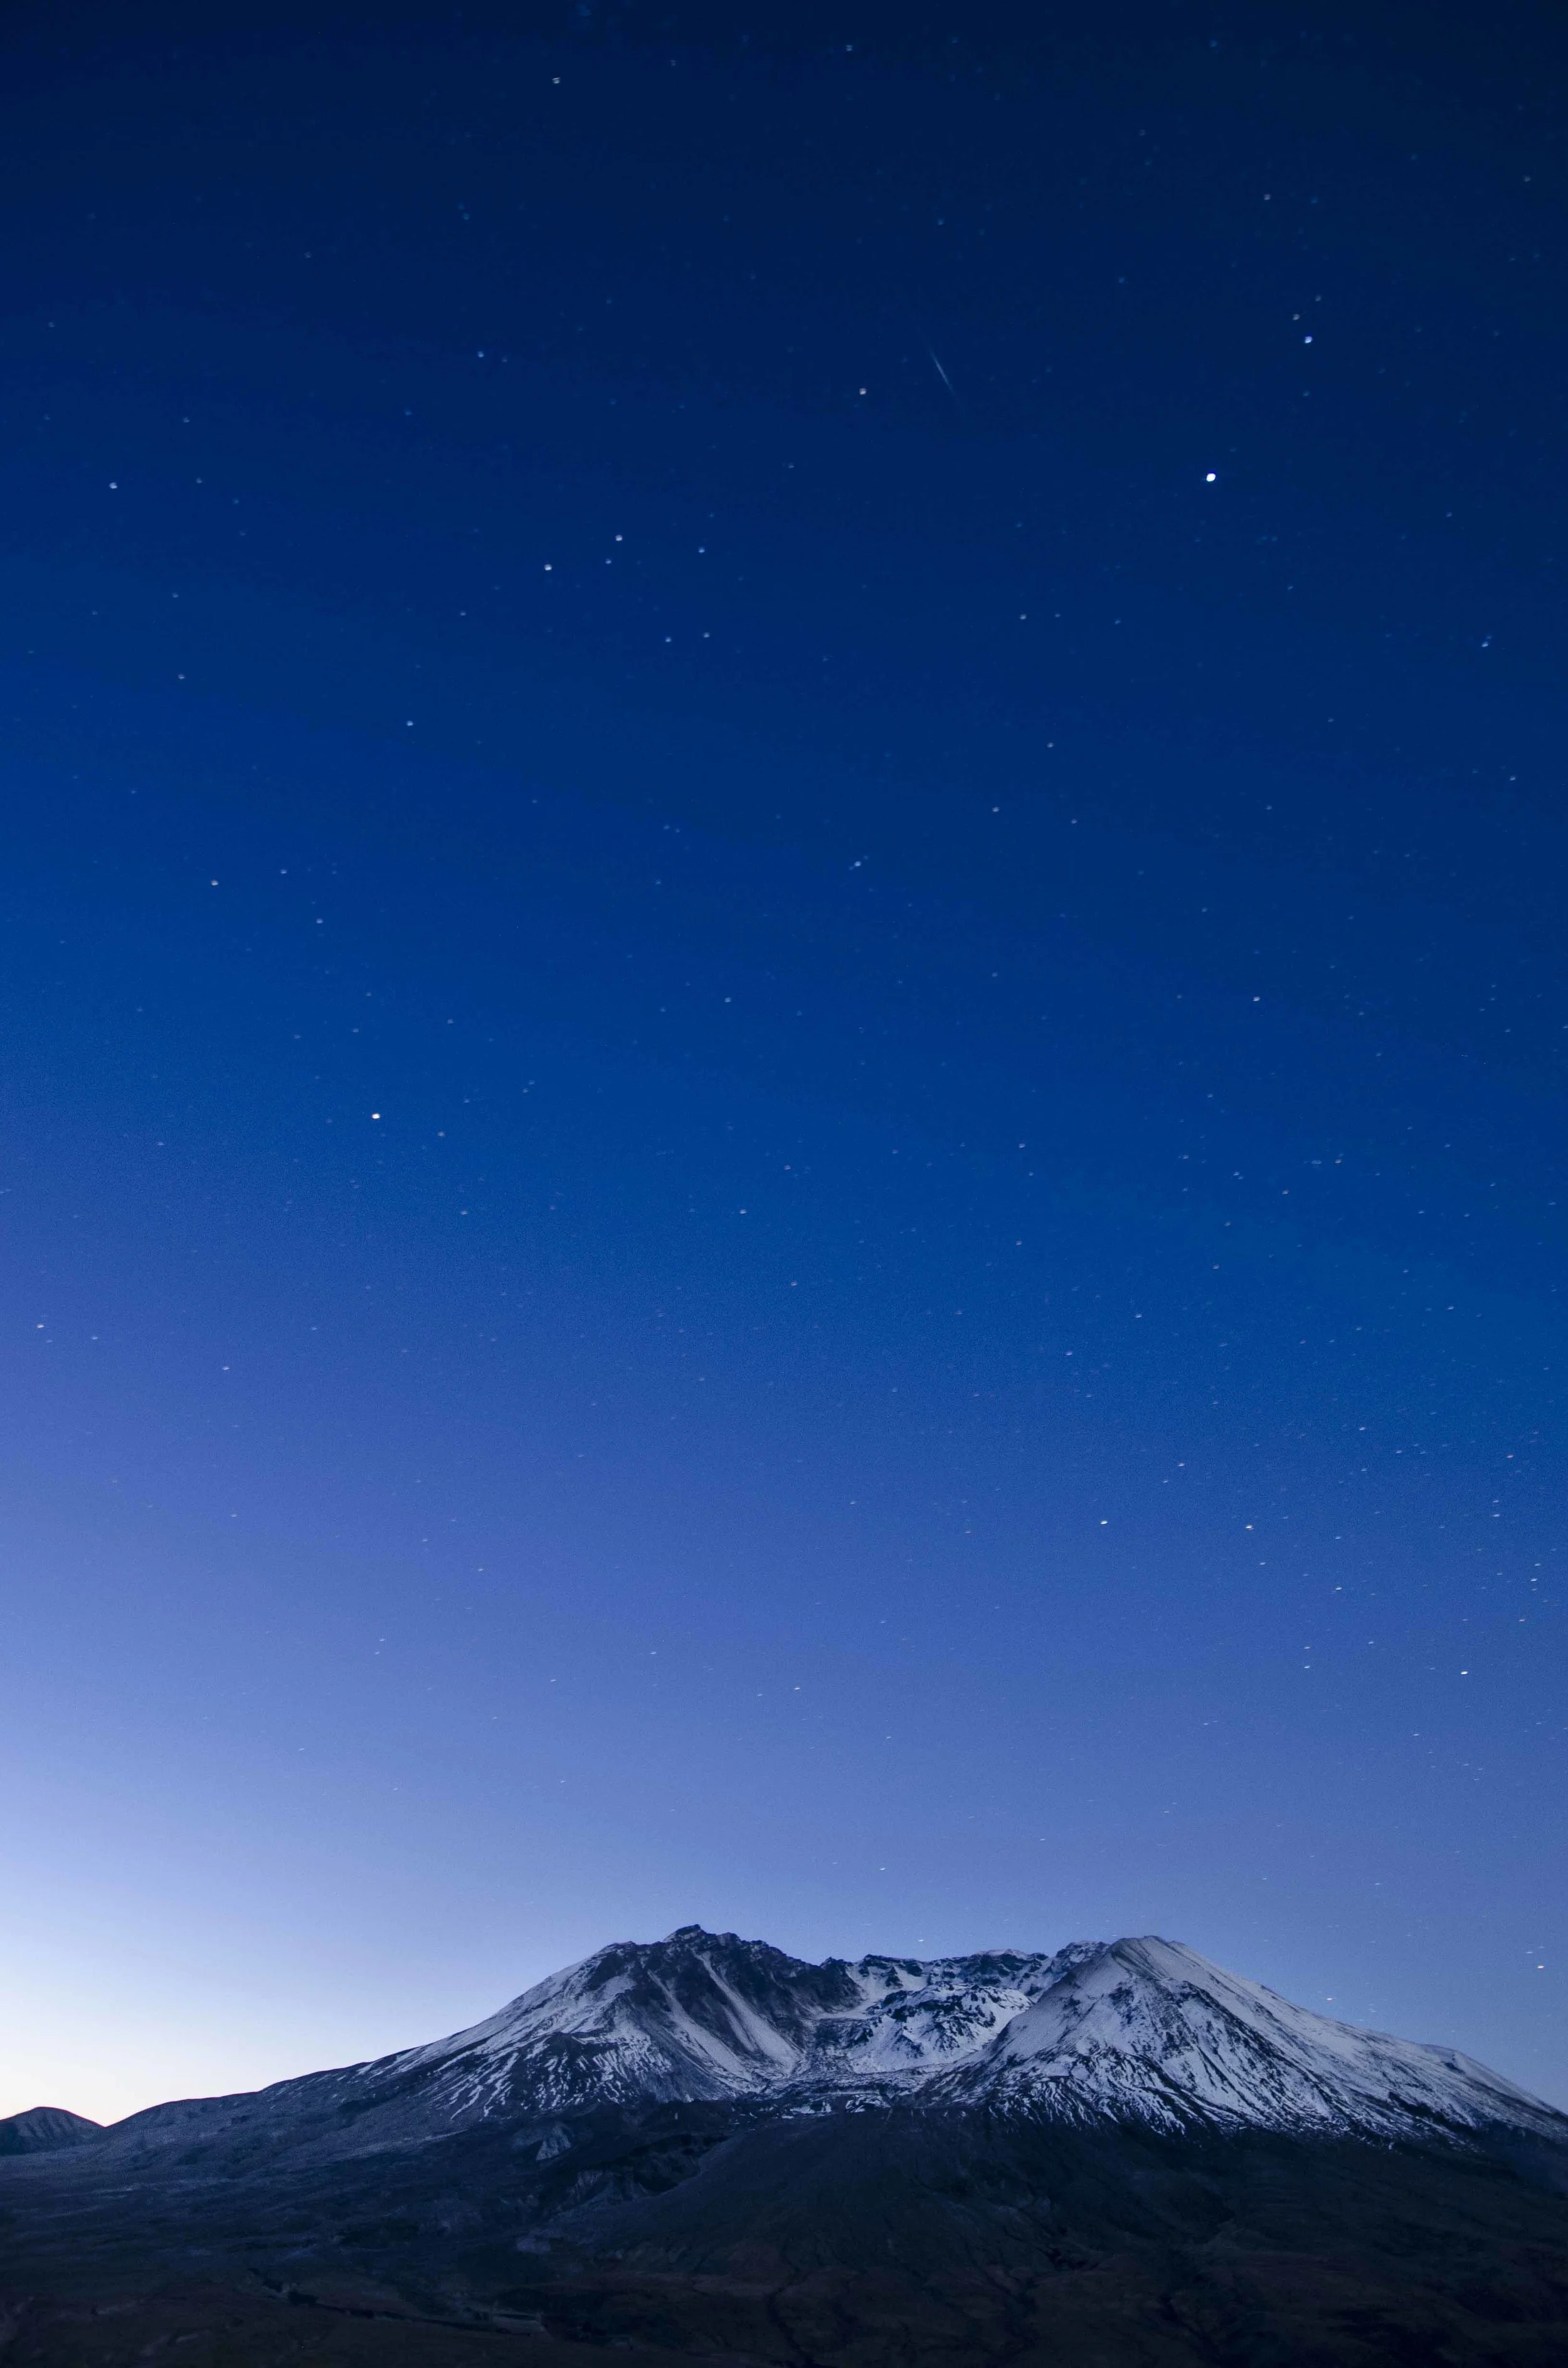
(45, 2127)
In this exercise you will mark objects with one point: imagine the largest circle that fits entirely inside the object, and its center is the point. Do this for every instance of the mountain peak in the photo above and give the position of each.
(1146, 2029)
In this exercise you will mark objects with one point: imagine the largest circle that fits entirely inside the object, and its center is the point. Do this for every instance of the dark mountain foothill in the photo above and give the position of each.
(45, 2128)
(702, 2148)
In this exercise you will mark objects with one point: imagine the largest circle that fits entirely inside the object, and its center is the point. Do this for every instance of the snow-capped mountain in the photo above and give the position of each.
(1140, 2030)
(702, 2148)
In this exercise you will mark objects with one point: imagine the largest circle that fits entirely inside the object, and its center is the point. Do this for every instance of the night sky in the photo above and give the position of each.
(783, 986)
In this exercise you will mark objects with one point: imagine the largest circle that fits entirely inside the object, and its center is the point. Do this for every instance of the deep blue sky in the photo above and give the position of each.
(784, 1006)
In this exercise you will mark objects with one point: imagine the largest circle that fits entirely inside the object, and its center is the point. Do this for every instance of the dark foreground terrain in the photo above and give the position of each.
(850, 2239)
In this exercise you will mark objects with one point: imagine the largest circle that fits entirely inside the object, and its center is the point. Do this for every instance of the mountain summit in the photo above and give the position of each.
(1141, 2031)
